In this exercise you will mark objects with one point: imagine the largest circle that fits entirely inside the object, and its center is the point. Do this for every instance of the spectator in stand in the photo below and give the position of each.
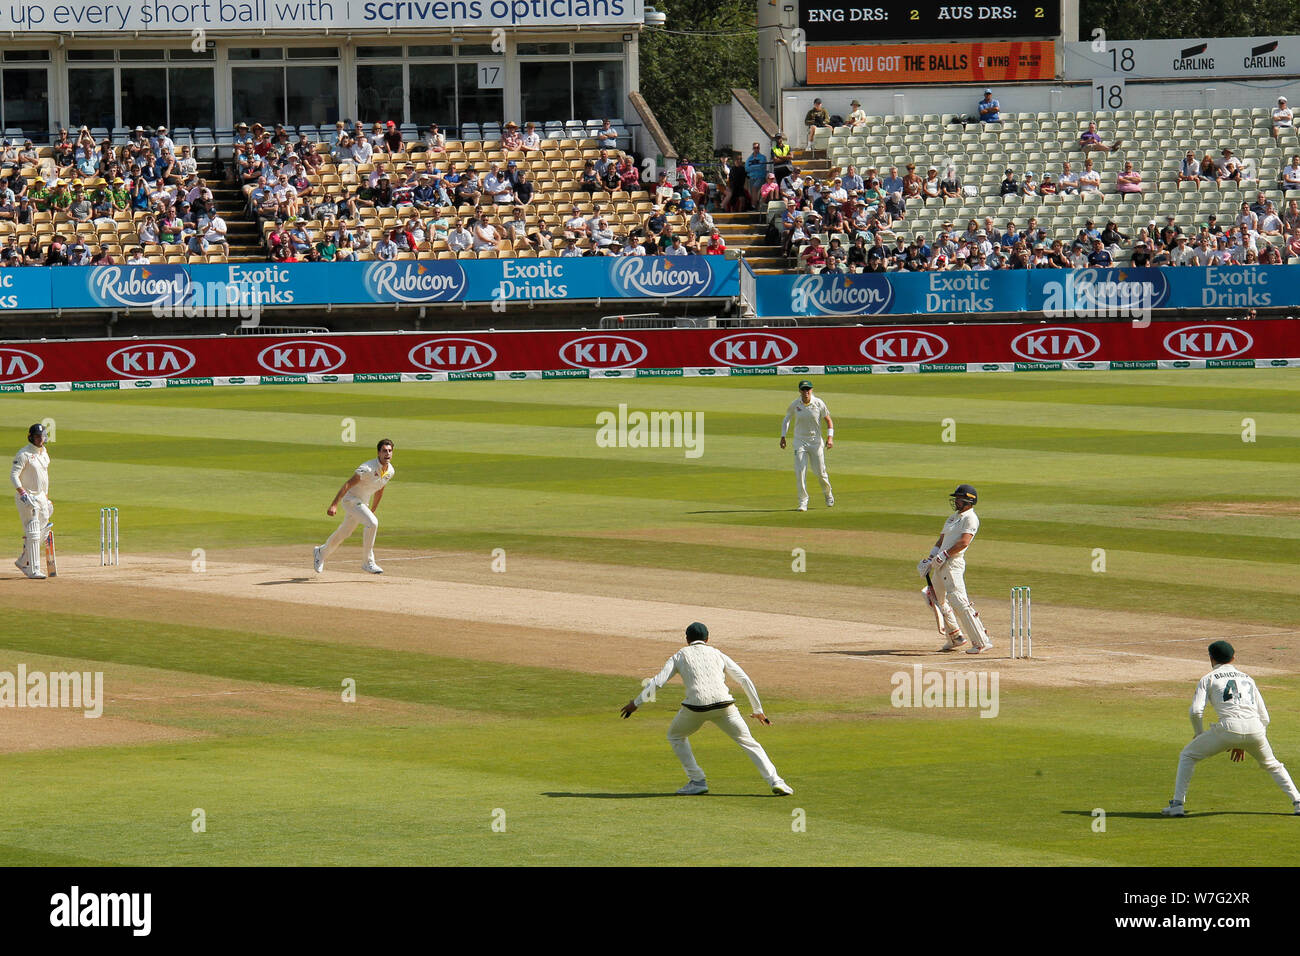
(675, 247)
(57, 254)
(523, 187)
(1009, 186)
(1246, 218)
(1068, 182)
(1099, 258)
(1190, 170)
(1291, 175)
(629, 177)
(1047, 187)
(1291, 216)
(813, 257)
(387, 247)
(434, 140)
(816, 118)
(782, 164)
(1209, 168)
(497, 186)
(989, 110)
(1030, 186)
(460, 238)
(857, 118)
(530, 141)
(64, 151)
(1089, 179)
(511, 139)
(1129, 181)
(1283, 119)
(570, 250)
(1228, 166)
(930, 188)
(1270, 224)
(1090, 141)
(542, 239)
(1112, 238)
(80, 209)
(950, 185)
(1260, 204)
(1293, 243)
(590, 179)
(362, 151)
(467, 190)
(342, 152)
(575, 227)
(911, 185)
(770, 191)
(755, 173)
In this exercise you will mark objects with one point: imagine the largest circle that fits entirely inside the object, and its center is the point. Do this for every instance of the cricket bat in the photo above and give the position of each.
(928, 593)
(50, 561)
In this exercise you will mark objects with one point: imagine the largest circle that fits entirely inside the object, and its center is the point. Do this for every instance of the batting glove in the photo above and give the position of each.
(938, 560)
(25, 499)
(922, 567)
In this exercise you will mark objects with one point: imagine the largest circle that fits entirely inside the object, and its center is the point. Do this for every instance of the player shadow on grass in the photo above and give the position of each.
(1157, 815)
(262, 584)
(743, 511)
(641, 796)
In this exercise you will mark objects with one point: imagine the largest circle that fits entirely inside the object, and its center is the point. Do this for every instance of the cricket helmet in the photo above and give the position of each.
(36, 431)
(963, 496)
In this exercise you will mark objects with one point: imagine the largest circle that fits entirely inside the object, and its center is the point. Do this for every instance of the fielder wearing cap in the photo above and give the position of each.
(807, 412)
(1242, 720)
(704, 671)
(30, 476)
(945, 568)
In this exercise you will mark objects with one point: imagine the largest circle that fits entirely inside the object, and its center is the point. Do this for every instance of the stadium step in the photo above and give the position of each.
(244, 235)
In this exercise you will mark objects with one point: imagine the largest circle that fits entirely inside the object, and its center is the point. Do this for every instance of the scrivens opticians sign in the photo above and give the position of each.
(81, 16)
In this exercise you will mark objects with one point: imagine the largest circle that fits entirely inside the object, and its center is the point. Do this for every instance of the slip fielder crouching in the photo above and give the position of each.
(703, 670)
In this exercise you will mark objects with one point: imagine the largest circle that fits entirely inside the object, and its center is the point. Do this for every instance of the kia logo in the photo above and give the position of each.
(603, 351)
(759, 349)
(910, 345)
(18, 365)
(1055, 344)
(301, 357)
(452, 355)
(1208, 341)
(150, 360)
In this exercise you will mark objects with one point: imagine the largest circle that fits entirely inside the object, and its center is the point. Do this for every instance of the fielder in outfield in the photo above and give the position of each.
(946, 565)
(367, 483)
(30, 477)
(807, 411)
(1242, 722)
(703, 670)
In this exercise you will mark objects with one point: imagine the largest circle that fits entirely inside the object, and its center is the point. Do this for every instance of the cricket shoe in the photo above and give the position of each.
(1175, 809)
(34, 575)
(830, 501)
(782, 789)
(980, 648)
(802, 507)
(954, 643)
(21, 565)
(372, 568)
(1296, 804)
(692, 788)
(318, 559)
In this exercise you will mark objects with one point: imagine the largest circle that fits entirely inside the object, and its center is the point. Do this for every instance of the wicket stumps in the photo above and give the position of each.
(1022, 635)
(110, 541)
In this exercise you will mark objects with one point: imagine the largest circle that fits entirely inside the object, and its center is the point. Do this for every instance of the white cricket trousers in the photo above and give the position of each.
(1216, 739)
(732, 724)
(810, 456)
(34, 518)
(355, 512)
(950, 590)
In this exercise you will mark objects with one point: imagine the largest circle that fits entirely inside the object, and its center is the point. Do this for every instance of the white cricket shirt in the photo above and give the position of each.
(807, 419)
(957, 525)
(31, 470)
(703, 670)
(372, 480)
(1235, 699)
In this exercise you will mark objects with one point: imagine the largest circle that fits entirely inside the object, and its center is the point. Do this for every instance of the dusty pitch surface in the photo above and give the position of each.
(812, 640)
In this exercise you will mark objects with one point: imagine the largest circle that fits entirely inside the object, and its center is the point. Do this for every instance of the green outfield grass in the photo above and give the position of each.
(1149, 466)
